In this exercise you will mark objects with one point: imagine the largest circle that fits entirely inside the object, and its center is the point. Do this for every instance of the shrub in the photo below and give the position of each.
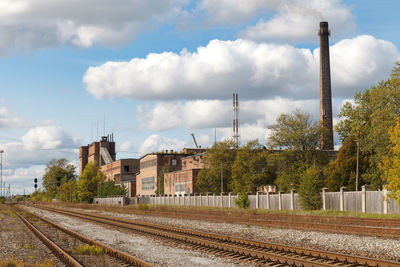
(89, 250)
(242, 201)
(310, 188)
(143, 206)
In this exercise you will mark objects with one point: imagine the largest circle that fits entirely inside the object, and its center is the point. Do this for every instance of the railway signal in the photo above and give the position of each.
(35, 183)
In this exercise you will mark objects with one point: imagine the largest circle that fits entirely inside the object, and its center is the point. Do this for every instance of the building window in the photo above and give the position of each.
(126, 168)
(174, 162)
(148, 183)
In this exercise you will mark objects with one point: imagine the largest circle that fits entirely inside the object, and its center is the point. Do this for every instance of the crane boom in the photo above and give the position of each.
(194, 139)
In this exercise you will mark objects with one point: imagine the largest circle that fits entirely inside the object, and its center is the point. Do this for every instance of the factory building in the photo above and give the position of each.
(183, 181)
(150, 169)
(103, 152)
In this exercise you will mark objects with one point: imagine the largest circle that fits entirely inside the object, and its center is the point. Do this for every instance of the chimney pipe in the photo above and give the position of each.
(325, 106)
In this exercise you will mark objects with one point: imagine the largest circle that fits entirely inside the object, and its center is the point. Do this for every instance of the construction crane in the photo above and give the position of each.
(194, 139)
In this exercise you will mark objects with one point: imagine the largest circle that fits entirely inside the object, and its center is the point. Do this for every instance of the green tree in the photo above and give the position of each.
(294, 131)
(218, 159)
(160, 180)
(298, 135)
(373, 112)
(250, 168)
(110, 189)
(89, 181)
(310, 188)
(342, 171)
(57, 168)
(391, 163)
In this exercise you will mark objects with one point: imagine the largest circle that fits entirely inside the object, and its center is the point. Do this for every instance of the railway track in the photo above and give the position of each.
(59, 240)
(241, 249)
(332, 224)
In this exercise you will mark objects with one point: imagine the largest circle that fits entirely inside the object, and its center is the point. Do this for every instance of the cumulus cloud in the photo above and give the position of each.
(27, 25)
(47, 137)
(203, 114)
(8, 121)
(156, 143)
(298, 20)
(254, 70)
(125, 146)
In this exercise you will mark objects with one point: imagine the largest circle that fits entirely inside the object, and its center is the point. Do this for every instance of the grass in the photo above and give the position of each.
(89, 250)
(27, 246)
(12, 262)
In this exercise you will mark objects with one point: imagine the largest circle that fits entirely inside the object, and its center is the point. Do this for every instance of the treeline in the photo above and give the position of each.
(369, 127)
(92, 182)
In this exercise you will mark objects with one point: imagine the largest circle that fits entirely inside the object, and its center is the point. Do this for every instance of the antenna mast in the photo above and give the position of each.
(236, 119)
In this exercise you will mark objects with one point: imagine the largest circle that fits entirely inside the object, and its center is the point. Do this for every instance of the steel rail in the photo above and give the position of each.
(232, 244)
(133, 261)
(67, 259)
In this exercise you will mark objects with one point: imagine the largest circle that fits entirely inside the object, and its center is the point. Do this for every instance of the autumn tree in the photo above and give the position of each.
(250, 168)
(391, 163)
(342, 171)
(218, 161)
(368, 118)
(110, 189)
(89, 181)
(57, 168)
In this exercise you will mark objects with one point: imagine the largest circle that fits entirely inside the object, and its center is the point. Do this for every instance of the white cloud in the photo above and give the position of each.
(27, 25)
(204, 114)
(125, 146)
(8, 121)
(254, 70)
(47, 137)
(156, 143)
(298, 20)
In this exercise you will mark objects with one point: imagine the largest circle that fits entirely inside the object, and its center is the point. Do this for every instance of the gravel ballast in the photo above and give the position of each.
(366, 246)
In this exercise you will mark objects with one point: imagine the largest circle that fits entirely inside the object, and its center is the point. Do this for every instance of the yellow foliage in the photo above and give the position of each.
(391, 163)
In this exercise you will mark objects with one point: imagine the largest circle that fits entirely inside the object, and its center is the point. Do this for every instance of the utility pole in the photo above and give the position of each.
(358, 159)
(222, 179)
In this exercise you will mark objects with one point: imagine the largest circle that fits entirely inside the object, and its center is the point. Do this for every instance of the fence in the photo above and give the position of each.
(361, 201)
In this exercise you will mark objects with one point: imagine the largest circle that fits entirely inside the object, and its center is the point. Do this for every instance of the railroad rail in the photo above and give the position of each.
(332, 224)
(121, 257)
(248, 250)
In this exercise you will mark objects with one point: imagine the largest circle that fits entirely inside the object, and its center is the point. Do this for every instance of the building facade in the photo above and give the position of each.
(102, 152)
(150, 169)
(184, 181)
(122, 170)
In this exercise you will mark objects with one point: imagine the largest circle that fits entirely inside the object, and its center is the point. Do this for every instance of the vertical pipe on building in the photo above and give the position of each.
(325, 111)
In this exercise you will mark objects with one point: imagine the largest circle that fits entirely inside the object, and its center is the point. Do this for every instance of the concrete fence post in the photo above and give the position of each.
(268, 205)
(292, 199)
(201, 200)
(190, 199)
(222, 199)
(208, 200)
(364, 190)
(342, 190)
(280, 200)
(324, 190)
(230, 200)
(214, 202)
(385, 200)
(257, 200)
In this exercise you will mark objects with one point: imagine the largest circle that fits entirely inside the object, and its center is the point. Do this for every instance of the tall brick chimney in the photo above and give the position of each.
(325, 104)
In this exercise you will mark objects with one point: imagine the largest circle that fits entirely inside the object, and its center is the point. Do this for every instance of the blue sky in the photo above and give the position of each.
(157, 71)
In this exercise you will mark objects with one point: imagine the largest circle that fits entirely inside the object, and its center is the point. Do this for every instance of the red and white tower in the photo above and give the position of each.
(236, 120)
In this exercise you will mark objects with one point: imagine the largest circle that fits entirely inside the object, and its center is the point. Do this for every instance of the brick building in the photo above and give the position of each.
(103, 152)
(184, 181)
(150, 169)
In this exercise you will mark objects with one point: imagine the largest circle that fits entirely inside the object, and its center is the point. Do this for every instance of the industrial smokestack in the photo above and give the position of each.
(325, 104)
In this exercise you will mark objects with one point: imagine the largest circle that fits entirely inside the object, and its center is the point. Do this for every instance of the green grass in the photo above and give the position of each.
(89, 250)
